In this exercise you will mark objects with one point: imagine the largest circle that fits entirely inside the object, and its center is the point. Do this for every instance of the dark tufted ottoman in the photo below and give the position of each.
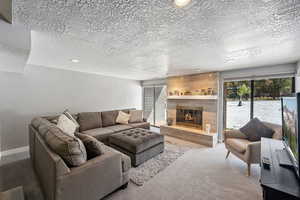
(139, 144)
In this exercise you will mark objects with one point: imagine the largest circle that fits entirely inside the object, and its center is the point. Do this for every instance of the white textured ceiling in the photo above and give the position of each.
(144, 39)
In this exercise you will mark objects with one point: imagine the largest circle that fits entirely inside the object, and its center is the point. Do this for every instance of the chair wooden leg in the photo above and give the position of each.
(228, 152)
(249, 170)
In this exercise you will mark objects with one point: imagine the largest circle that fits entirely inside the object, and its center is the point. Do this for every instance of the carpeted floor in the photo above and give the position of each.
(149, 169)
(201, 173)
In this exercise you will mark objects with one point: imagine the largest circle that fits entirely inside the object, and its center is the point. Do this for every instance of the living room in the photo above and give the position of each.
(163, 99)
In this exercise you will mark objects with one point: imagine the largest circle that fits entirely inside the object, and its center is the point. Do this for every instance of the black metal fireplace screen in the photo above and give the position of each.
(189, 116)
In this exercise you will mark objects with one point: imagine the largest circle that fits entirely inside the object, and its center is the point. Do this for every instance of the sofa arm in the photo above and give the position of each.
(253, 152)
(234, 134)
(92, 180)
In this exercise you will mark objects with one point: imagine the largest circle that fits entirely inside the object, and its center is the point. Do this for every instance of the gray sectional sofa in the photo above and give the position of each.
(94, 179)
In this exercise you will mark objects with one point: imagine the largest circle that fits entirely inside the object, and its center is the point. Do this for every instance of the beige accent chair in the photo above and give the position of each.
(237, 143)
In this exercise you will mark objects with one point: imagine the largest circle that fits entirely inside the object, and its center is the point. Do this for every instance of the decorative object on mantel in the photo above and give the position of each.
(197, 92)
(150, 168)
(170, 121)
(208, 128)
(212, 97)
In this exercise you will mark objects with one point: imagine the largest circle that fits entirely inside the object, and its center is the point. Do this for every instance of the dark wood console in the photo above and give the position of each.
(278, 182)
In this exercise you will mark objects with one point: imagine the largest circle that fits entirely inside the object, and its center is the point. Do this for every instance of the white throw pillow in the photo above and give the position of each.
(136, 116)
(66, 125)
(68, 115)
(123, 118)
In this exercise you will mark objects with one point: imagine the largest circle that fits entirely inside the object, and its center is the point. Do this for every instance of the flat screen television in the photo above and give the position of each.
(290, 128)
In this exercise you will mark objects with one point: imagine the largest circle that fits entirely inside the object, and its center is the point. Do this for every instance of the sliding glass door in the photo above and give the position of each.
(244, 100)
(237, 104)
(155, 105)
(148, 104)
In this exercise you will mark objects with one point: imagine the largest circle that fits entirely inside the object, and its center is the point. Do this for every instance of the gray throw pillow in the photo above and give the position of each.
(69, 148)
(93, 147)
(255, 130)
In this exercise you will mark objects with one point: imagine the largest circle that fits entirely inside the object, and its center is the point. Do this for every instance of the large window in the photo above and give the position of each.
(155, 105)
(266, 101)
(245, 100)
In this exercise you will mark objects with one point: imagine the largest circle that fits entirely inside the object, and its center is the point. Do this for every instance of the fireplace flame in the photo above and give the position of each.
(188, 117)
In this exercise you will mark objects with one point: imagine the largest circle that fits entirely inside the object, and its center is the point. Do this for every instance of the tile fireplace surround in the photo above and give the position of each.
(193, 85)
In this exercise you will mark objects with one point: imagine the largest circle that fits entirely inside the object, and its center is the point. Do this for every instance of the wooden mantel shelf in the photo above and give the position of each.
(207, 97)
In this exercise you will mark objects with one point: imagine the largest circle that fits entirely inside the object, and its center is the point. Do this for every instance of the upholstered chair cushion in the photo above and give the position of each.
(93, 147)
(89, 120)
(69, 148)
(240, 145)
(255, 130)
(109, 118)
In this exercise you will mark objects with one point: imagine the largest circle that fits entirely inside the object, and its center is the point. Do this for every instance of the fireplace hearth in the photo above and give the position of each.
(189, 116)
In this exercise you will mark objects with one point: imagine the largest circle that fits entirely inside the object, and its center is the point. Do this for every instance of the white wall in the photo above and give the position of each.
(43, 91)
(253, 73)
(298, 77)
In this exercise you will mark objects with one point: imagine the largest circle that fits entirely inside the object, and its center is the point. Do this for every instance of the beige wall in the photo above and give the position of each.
(43, 91)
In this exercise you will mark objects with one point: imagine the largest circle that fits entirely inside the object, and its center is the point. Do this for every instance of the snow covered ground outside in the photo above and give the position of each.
(237, 116)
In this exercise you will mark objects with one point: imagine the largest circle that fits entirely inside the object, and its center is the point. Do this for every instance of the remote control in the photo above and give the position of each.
(266, 163)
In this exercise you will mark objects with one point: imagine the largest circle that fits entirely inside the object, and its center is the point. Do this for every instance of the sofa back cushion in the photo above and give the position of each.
(54, 118)
(128, 110)
(89, 120)
(69, 148)
(42, 125)
(109, 118)
(277, 128)
(136, 116)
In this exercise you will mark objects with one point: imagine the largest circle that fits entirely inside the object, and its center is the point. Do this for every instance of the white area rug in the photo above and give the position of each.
(150, 168)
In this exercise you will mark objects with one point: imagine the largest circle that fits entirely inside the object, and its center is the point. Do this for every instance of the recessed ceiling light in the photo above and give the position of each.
(181, 3)
(75, 60)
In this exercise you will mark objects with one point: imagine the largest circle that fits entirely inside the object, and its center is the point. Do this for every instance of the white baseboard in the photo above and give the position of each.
(15, 151)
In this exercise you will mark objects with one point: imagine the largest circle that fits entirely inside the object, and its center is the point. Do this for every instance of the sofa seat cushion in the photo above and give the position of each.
(136, 140)
(118, 128)
(126, 161)
(240, 145)
(145, 125)
(99, 133)
(89, 120)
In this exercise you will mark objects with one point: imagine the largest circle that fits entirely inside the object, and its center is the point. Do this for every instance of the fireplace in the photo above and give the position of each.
(189, 116)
